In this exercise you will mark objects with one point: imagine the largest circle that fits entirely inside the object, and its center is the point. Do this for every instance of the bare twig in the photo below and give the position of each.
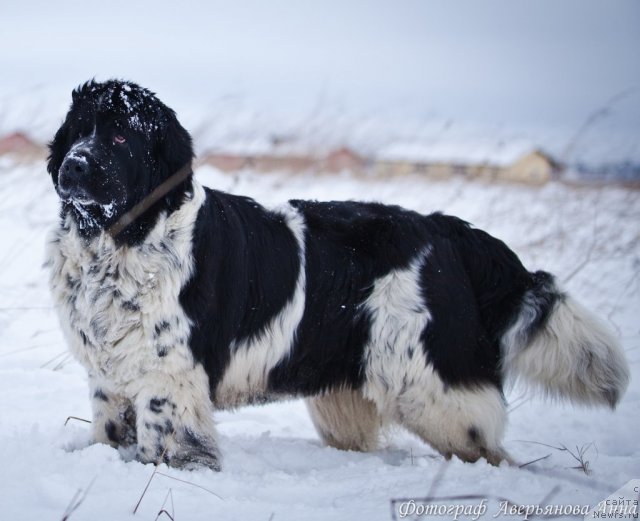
(61, 363)
(189, 483)
(75, 418)
(518, 402)
(54, 359)
(164, 511)
(523, 465)
(158, 193)
(438, 478)
(595, 116)
(157, 473)
(578, 455)
(585, 262)
(77, 500)
(23, 349)
(26, 308)
(73, 505)
(155, 469)
(583, 464)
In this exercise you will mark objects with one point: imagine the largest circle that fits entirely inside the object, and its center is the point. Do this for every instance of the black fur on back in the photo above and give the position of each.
(246, 270)
(473, 285)
(246, 266)
(349, 245)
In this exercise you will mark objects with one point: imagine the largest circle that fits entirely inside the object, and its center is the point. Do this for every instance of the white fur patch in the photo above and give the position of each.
(574, 356)
(345, 420)
(245, 379)
(394, 353)
(404, 385)
(116, 297)
(120, 311)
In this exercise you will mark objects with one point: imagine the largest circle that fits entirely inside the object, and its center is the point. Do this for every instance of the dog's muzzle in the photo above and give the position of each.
(72, 176)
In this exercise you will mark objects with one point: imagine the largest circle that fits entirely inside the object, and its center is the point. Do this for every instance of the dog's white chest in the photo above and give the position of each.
(119, 306)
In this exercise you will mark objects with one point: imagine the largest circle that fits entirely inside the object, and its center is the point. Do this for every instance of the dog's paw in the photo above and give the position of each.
(186, 451)
(195, 460)
(195, 451)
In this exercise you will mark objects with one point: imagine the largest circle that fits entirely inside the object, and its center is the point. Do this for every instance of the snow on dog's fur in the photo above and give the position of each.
(208, 300)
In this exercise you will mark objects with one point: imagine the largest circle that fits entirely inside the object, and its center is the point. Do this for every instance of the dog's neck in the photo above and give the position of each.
(160, 192)
(155, 229)
(135, 226)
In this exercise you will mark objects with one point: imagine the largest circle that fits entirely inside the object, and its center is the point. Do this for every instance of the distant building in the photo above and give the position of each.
(225, 162)
(278, 160)
(517, 162)
(440, 160)
(20, 145)
(435, 170)
(445, 160)
(234, 162)
(343, 159)
(536, 167)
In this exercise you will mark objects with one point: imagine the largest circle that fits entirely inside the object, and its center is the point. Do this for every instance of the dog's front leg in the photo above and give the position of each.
(114, 418)
(174, 422)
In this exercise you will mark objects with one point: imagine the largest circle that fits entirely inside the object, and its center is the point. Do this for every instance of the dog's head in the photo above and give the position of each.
(117, 144)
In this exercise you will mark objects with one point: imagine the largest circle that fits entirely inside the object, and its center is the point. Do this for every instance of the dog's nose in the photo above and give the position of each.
(75, 165)
(71, 174)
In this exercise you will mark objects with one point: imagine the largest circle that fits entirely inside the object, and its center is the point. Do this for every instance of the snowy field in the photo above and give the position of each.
(274, 465)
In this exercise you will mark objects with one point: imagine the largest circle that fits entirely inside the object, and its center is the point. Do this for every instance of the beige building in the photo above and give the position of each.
(444, 162)
(536, 167)
(435, 170)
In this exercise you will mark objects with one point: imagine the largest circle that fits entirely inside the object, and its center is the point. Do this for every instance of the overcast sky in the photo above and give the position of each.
(543, 63)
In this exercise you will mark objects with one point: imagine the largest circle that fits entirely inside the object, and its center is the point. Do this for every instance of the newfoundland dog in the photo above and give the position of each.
(179, 300)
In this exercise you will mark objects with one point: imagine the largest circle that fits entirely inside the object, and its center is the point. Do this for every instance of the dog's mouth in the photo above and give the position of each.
(75, 196)
(89, 213)
(79, 201)
(84, 212)
(86, 203)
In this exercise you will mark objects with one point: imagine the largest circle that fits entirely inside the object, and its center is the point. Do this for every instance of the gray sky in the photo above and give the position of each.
(539, 64)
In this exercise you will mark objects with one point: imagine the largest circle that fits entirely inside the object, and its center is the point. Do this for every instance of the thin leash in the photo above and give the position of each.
(158, 193)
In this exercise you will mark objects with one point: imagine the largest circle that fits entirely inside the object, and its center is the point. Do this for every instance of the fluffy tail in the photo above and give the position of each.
(562, 348)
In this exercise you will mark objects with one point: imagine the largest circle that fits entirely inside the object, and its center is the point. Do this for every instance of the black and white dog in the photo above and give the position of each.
(375, 314)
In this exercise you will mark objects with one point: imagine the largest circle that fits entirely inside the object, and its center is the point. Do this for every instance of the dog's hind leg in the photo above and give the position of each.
(345, 419)
(468, 423)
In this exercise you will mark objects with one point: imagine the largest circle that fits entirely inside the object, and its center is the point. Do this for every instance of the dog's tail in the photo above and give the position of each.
(558, 346)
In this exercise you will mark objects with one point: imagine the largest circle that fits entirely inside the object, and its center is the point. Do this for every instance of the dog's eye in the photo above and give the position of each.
(119, 139)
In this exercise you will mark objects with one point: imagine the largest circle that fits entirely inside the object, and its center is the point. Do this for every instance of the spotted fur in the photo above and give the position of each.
(373, 313)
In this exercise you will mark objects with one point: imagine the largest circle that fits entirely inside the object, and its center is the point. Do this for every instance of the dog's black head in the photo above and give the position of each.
(117, 143)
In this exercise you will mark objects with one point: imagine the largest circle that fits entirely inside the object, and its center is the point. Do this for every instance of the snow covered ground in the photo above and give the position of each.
(274, 465)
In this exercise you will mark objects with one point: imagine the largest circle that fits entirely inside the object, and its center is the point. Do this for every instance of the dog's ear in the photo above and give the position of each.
(59, 146)
(57, 150)
(174, 146)
(173, 151)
